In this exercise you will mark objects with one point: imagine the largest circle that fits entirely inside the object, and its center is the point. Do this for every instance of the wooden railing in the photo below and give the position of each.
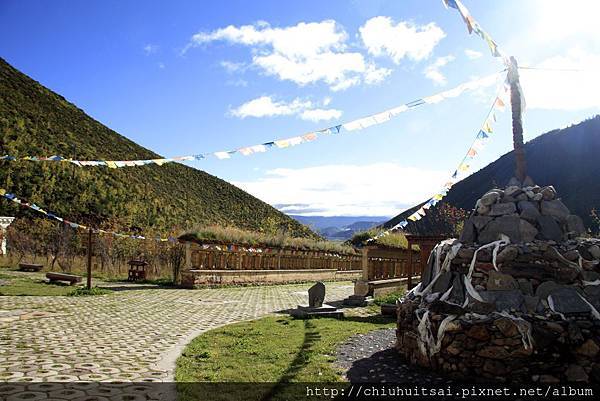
(273, 259)
(387, 263)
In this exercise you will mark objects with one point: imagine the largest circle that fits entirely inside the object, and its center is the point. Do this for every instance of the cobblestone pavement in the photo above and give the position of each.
(372, 358)
(133, 335)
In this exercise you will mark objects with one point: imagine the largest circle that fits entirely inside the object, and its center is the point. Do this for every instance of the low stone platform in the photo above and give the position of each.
(308, 312)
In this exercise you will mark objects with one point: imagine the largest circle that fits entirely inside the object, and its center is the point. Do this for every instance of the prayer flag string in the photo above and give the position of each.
(354, 125)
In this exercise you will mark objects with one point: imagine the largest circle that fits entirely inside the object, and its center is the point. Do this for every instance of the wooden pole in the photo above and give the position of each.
(517, 120)
(89, 260)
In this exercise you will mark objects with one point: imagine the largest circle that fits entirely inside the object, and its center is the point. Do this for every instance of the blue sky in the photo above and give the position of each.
(174, 78)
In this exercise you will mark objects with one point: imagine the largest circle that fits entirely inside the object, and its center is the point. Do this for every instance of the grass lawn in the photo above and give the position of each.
(22, 285)
(275, 349)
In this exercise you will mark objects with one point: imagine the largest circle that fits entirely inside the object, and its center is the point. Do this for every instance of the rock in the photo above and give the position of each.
(483, 308)
(522, 197)
(590, 276)
(574, 333)
(442, 283)
(576, 373)
(493, 352)
(548, 379)
(589, 349)
(547, 287)
(536, 197)
(507, 225)
(465, 253)
(457, 295)
(454, 348)
(594, 250)
(512, 190)
(489, 198)
(481, 221)
(507, 327)
(507, 254)
(504, 299)
(478, 332)
(500, 281)
(468, 234)
(494, 368)
(484, 255)
(525, 286)
(532, 304)
(446, 308)
(528, 231)
(572, 255)
(501, 209)
(483, 210)
(592, 294)
(529, 211)
(514, 182)
(555, 208)
(575, 224)
(548, 193)
(567, 301)
(549, 228)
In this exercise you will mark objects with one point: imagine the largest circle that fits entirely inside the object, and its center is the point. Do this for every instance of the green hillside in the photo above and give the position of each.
(565, 158)
(37, 121)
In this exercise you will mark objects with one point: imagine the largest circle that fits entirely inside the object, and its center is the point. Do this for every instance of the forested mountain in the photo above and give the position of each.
(34, 121)
(566, 158)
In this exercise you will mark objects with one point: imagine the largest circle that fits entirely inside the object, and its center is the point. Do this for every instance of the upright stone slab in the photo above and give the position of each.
(316, 295)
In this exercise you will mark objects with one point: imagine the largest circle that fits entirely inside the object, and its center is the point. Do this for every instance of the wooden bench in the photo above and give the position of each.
(71, 278)
(31, 267)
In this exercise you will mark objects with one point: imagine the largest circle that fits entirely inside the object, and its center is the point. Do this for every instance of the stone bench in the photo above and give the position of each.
(71, 278)
(32, 267)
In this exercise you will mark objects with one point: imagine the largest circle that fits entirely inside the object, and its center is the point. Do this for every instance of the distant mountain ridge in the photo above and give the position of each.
(35, 121)
(340, 228)
(566, 158)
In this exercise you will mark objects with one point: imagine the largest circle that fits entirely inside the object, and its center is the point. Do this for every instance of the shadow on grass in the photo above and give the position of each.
(311, 336)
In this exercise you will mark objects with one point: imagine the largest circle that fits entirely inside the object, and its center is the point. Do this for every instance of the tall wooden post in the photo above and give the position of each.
(517, 120)
(89, 259)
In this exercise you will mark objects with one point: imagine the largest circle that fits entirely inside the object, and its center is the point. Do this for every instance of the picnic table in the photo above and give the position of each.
(137, 270)
(32, 267)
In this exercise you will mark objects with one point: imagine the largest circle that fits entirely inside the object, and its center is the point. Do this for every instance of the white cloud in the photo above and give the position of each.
(304, 53)
(432, 71)
(382, 37)
(265, 106)
(334, 190)
(320, 114)
(564, 90)
(472, 54)
(231, 66)
(150, 49)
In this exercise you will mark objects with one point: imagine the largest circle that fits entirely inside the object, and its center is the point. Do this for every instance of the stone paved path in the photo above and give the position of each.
(133, 335)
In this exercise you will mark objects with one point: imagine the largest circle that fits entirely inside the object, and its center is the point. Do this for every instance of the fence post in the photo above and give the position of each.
(365, 264)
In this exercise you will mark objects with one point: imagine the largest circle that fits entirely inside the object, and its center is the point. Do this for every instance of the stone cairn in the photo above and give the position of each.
(515, 299)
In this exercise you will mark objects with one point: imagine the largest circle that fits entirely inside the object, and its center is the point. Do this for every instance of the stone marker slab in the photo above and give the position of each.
(567, 301)
(500, 281)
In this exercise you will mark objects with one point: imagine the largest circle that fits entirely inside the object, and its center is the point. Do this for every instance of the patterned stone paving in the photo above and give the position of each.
(128, 336)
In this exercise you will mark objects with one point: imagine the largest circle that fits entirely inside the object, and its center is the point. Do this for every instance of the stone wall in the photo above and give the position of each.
(193, 278)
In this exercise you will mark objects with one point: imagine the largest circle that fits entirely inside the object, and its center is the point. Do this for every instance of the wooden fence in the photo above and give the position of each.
(387, 263)
(274, 259)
